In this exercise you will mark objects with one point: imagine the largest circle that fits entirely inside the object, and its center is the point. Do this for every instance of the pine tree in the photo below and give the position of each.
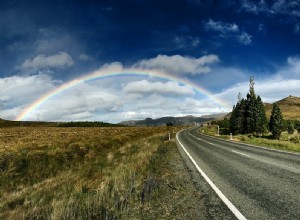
(290, 127)
(248, 115)
(250, 111)
(261, 119)
(238, 117)
(276, 122)
(233, 125)
(241, 116)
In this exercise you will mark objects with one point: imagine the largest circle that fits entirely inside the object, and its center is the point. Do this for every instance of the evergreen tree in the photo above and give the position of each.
(297, 126)
(241, 116)
(290, 127)
(237, 119)
(276, 122)
(233, 124)
(261, 119)
(250, 113)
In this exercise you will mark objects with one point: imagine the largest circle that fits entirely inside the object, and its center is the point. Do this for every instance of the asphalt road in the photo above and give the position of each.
(260, 183)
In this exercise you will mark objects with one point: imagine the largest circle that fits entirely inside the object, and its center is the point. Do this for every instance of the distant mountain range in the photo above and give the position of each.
(173, 120)
(290, 108)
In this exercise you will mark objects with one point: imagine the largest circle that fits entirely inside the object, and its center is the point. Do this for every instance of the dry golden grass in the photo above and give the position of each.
(289, 106)
(74, 173)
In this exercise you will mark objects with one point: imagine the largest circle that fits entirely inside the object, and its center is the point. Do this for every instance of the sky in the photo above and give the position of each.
(207, 50)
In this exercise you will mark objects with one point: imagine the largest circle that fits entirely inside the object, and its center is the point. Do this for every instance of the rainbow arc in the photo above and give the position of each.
(100, 74)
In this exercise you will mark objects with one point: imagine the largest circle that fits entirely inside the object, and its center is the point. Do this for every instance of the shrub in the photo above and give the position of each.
(290, 127)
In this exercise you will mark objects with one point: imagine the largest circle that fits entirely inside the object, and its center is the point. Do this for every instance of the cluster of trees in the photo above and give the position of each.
(248, 115)
(88, 124)
(291, 125)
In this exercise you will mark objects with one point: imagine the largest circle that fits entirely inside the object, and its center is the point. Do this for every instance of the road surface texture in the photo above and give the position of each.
(260, 183)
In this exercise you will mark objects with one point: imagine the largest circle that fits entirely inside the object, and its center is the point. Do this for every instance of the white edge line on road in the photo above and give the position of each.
(246, 155)
(234, 210)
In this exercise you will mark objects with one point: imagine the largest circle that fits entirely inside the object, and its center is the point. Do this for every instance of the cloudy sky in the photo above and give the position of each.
(215, 45)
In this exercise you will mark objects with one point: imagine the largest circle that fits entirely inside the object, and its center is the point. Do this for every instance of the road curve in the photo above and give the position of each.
(260, 183)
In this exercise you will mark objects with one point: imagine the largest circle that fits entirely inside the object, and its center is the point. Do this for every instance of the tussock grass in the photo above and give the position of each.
(75, 173)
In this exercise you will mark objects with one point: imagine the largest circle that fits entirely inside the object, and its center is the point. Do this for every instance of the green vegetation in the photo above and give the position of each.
(78, 173)
(7, 123)
(287, 141)
(88, 124)
(248, 122)
(248, 116)
(276, 122)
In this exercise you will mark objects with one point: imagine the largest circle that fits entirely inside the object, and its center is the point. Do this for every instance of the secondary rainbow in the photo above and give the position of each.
(111, 73)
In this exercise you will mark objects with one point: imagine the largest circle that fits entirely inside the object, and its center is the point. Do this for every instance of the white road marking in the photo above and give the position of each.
(234, 210)
(201, 139)
(236, 152)
(211, 143)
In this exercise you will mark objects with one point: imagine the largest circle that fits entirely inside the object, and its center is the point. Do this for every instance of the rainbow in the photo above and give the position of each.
(112, 73)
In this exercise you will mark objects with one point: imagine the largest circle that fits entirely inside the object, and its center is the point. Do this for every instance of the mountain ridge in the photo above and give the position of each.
(183, 120)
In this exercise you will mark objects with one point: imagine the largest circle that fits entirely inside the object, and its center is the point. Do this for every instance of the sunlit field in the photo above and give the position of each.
(76, 173)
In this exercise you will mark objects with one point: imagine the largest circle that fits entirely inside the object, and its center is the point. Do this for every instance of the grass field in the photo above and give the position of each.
(290, 142)
(77, 173)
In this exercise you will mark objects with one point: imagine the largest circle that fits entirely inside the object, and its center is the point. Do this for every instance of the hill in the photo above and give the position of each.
(289, 106)
(186, 120)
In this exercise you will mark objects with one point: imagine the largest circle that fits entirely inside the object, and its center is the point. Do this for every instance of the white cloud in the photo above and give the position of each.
(85, 57)
(137, 97)
(270, 90)
(17, 91)
(291, 8)
(59, 60)
(145, 86)
(287, 7)
(178, 64)
(114, 67)
(255, 8)
(285, 82)
(85, 102)
(228, 30)
(222, 27)
(186, 42)
(245, 38)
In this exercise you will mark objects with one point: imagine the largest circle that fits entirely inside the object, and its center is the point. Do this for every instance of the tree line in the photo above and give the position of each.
(88, 124)
(248, 117)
